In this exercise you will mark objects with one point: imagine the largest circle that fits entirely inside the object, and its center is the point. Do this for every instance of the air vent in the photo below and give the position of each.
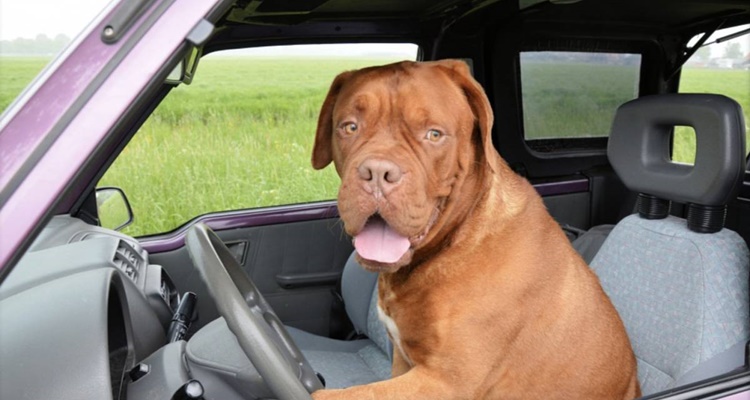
(128, 259)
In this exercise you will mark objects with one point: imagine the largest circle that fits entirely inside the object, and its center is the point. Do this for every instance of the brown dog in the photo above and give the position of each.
(481, 292)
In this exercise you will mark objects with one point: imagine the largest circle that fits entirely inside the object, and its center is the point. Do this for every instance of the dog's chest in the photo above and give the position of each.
(392, 328)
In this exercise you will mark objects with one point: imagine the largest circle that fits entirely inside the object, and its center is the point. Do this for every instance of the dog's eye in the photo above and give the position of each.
(350, 128)
(434, 135)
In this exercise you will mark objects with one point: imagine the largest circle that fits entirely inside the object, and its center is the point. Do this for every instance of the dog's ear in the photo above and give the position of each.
(478, 101)
(322, 154)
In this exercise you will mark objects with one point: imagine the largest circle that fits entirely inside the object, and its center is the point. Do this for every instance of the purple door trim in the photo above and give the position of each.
(26, 206)
(738, 396)
(564, 187)
(242, 219)
(44, 104)
(299, 213)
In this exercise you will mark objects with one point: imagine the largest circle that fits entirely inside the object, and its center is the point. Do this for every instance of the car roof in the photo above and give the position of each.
(648, 15)
(425, 22)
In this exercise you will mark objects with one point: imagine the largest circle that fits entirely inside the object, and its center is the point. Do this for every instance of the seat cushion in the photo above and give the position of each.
(589, 243)
(343, 363)
(683, 297)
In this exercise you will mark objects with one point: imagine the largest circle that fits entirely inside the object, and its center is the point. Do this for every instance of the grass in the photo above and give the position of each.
(573, 100)
(15, 74)
(731, 83)
(241, 135)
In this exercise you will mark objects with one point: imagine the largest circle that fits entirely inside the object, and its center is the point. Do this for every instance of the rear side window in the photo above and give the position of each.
(719, 66)
(568, 95)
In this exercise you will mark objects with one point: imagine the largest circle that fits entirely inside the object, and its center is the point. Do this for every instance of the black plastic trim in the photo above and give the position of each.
(239, 36)
(291, 281)
(123, 18)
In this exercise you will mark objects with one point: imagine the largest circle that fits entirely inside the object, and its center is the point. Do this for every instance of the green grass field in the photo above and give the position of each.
(241, 135)
(573, 99)
(731, 83)
(15, 74)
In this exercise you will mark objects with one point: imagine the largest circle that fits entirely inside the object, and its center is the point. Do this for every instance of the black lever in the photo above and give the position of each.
(181, 318)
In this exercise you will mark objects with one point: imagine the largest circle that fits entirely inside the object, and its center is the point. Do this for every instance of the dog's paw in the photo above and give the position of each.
(332, 394)
(321, 395)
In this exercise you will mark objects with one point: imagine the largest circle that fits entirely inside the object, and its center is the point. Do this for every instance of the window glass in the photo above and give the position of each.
(575, 94)
(684, 140)
(721, 68)
(239, 136)
(31, 33)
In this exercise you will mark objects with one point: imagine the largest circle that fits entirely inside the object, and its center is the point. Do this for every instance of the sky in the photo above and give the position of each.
(29, 18)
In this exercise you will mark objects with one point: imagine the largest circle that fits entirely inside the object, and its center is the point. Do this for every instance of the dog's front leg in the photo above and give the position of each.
(417, 384)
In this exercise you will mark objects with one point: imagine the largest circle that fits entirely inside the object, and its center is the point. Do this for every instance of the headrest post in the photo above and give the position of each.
(652, 207)
(706, 219)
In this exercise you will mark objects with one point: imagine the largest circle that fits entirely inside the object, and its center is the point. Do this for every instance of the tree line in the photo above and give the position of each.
(41, 45)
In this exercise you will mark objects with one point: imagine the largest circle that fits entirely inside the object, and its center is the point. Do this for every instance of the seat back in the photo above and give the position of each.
(680, 286)
(359, 288)
(683, 297)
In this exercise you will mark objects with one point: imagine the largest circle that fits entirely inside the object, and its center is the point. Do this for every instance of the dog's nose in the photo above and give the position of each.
(380, 174)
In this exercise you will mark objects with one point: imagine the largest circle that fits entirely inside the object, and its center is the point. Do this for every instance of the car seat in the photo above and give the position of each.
(345, 363)
(680, 285)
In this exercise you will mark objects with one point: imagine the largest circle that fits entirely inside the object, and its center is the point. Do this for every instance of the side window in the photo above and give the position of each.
(569, 95)
(720, 67)
(239, 136)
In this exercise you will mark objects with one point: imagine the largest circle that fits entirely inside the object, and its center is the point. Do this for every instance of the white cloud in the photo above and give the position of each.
(717, 49)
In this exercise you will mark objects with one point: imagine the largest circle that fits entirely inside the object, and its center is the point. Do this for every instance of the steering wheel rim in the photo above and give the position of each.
(250, 318)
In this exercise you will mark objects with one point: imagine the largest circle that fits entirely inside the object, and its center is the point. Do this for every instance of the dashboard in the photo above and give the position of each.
(78, 310)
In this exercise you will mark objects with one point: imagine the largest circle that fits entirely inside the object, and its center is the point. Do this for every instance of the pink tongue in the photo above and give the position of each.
(378, 242)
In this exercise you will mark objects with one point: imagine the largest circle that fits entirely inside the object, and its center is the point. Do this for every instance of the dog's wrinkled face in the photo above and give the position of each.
(403, 137)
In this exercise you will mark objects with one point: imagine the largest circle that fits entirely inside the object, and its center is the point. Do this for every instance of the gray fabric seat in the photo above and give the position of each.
(357, 362)
(589, 243)
(682, 295)
(680, 286)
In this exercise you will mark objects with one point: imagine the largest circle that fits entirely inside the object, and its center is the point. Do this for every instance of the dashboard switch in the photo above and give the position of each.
(192, 390)
(181, 318)
(138, 372)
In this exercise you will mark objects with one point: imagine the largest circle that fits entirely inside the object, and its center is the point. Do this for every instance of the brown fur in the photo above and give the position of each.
(491, 301)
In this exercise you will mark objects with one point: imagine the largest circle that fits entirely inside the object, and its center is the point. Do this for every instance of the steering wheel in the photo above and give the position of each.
(251, 319)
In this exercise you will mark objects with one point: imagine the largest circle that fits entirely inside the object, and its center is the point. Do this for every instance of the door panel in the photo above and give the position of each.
(297, 251)
(568, 200)
(302, 249)
(570, 209)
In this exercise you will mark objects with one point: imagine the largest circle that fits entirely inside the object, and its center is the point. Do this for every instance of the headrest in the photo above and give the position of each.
(639, 147)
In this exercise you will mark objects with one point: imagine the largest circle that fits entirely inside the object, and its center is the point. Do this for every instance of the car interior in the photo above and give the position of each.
(270, 303)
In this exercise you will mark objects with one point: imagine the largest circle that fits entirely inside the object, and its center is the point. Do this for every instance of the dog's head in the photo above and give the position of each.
(411, 142)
